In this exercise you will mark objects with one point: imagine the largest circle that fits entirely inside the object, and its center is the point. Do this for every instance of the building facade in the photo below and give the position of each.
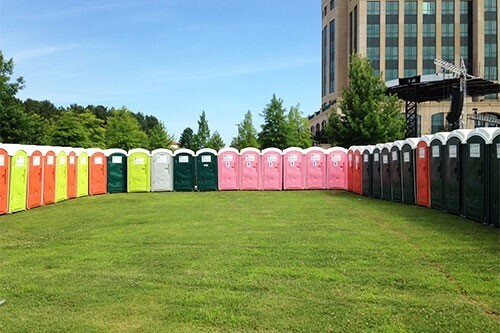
(402, 38)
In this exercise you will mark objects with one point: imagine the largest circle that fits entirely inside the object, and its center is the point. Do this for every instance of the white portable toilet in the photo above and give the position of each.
(162, 170)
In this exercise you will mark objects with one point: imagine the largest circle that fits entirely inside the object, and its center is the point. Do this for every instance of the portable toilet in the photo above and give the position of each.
(495, 179)
(98, 171)
(350, 169)
(184, 170)
(423, 177)
(396, 184)
(367, 172)
(71, 173)
(408, 170)
(250, 169)
(315, 173)
(49, 175)
(82, 172)
(336, 168)
(377, 171)
(162, 170)
(35, 177)
(138, 170)
(386, 172)
(228, 173)
(358, 170)
(117, 170)
(206, 169)
(18, 183)
(453, 178)
(272, 169)
(437, 169)
(61, 174)
(293, 169)
(4, 180)
(476, 174)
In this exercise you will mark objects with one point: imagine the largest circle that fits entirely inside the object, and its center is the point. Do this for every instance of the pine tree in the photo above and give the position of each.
(159, 137)
(187, 138)
(299, 134)
(275, 128)
(247, 134)
(203, 135)
(216, 141)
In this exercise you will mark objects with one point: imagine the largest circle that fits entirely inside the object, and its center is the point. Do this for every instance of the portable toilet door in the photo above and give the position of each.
(35, 177)
(18, 184)
(358, 170)
(437, 169)
(336, 169)
(49, 175)
(138, 170)
(250, 169)
(98, 171)
(293, 169)
(272, 169)
(117, 170)
(206, 170)
(377, 171)
(408, 174)
(453, 179)
(228, 173)
(495, 179)
(162, 170)
(82, 172)
(71, 173)
(350, 169)
(184, 170)
(61, 175)
(386, 172)
(366, 166)
(315, 174)
(396, 182)
(476, 177)
(423, 176)
(4, 180)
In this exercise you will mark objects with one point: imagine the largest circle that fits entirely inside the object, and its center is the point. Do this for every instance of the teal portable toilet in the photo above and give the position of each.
(376, 171)
(138, 170)
(162, 170)
(367, 166)
(396, 184)
(408, 170)
(184, 170)
(206, 170)
(117, 170)
(495, 178)
(386, 172)
(437, 169)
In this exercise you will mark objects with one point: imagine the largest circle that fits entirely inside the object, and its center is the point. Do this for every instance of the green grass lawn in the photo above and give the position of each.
(316, 261)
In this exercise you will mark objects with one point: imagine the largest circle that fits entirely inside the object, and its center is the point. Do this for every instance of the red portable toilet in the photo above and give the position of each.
(336, 171)
(272, 169)
(98, 171)
(71, 173)
(350, 169)
(358, 170)
(4, 181)
(315, 175)
(423, 177)
(35, 177)
(49, 175)
(228, 172)
(293, 169)
(250, 169)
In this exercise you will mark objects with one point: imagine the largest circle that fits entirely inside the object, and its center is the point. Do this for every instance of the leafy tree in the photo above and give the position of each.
(96, 133)
(101, 112)
(123, 130)
(44, 109)
(159, 137)
(70, 131)
(299, 134)
(187, 138)
(247, 134)
(274, 130)
(17, 126)
(368, 115)
(216, 142)
(147, 122)
(8, 89)
(203, 135)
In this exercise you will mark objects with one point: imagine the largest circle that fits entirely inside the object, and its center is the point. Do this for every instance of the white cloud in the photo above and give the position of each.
(37, 52)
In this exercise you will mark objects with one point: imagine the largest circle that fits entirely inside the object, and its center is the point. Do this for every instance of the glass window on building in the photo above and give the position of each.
(373, 34)
(448, 31)
(410, 42)
(332, 57)
(323, 62)
(429, 36)
(437, 123)
(392, 40)
(491, 42)
(332, 4)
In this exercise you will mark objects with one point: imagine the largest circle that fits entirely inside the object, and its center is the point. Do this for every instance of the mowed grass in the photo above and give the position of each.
(319, 261)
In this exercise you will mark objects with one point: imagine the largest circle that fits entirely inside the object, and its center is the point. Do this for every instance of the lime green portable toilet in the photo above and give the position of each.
(61, 174)
(206, 170)
(184, 170)
(18, 183)
(117, 170)
(82, 172)
(139, 170)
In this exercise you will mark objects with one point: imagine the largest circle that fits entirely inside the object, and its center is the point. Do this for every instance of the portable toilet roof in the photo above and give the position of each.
(206, 150)
(387, 145)
(426, 138)
(79, 151)
(293, 149)
(228, 149)
(487, 133)
(379, 146)
(249, 149)
(138, 150)
(92, 151)
(441, 136)
(109, 152)
(370, 149)
(331, 149)
(460, 134)
(398, 144)
(30, 149)
(184, 151)
(162, 151)
(12, 148)
(272, 149)
(412, 142)
(314, 148)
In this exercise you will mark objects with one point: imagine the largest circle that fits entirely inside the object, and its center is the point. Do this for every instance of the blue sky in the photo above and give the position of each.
(168, 58)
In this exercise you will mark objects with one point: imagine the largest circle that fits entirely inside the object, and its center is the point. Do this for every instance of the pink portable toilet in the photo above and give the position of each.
(336, 168)
(250, 169)
(272, 169)
(293, 169)
(228, 169)
(350, 169)
(315, 176)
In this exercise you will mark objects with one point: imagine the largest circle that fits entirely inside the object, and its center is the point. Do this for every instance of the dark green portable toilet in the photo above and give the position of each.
(376, 171)
(437, 169)
(367, 165)
(408, 174)
(476, 174)
(453, 178)
(495, 178)
(117, 170)
(386, 172)
(396, 184)
(206, 170)
(184, 170)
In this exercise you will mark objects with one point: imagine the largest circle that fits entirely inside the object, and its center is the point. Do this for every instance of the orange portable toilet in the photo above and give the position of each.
(350, 169)
(49, 175)
(4, 181)
(98, 171)
(358, 170)
(35, 177)
(423, 178)
(71, 173)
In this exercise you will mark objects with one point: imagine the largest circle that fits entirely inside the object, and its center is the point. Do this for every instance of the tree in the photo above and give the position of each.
(44, 109)
(123, 130)
(17, 126)
(299, 134)
(70, 131)
(216, 142)
(274, 129)
(247, 134)
(159, 137)
(187, 138)
(8, 89)
(203, 135)
(96, 133)
(368, 115)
